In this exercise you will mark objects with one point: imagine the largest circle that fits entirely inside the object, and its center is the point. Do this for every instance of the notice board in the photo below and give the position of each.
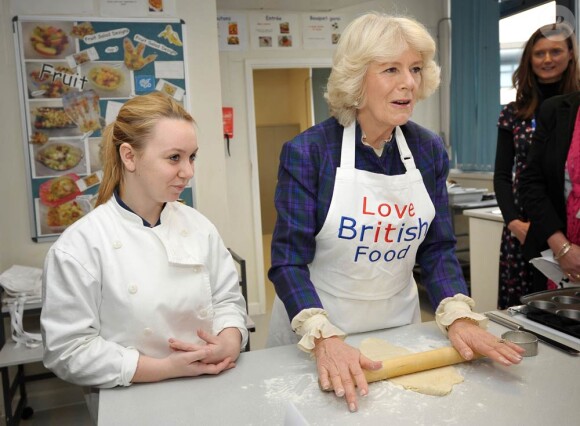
(74, 75)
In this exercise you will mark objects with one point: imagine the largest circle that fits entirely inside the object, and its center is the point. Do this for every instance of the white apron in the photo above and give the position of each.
(365, 252)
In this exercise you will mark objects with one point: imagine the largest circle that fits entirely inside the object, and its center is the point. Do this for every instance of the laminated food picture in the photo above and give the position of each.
(59, 156)
(59, 190)
(83, 108)
(48, 40)
(133, 57)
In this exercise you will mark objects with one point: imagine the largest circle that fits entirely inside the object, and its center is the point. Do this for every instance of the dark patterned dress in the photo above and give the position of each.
(515, 273)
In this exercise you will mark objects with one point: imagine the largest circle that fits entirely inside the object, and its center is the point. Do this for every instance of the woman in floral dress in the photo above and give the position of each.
(548, 67)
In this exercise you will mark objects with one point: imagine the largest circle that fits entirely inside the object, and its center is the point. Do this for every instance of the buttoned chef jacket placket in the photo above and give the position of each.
(182, 279)
(366, 250)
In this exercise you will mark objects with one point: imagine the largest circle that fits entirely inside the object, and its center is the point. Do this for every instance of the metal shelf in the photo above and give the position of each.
(13, 355)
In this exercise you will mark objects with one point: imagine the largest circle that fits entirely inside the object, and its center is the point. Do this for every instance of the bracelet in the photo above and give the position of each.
(563, 250)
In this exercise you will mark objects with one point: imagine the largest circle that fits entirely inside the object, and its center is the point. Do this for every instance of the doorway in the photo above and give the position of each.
(284, 99)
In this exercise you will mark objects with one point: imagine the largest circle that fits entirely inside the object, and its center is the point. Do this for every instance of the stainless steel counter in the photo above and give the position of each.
(542, 390)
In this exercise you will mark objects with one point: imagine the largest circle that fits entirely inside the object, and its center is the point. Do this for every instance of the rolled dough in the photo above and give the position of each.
(438, 382)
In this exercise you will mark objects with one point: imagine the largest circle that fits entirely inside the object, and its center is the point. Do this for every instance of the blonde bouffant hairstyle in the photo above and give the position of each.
(375, 37)
(134, 125)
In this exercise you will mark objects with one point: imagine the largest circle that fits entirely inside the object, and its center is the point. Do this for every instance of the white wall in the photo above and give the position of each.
(223, 184)
(16, 246)
(239, 165)
(203, 74)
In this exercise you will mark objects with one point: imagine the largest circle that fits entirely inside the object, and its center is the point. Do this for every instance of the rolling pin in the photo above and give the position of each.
(413, 363)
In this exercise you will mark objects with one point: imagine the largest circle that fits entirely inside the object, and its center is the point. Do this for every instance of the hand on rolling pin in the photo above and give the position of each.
(414, 363)
(340, 367)
(468, 338)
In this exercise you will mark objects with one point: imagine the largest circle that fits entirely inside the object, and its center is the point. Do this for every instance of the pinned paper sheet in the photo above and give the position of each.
(112, 111)
(550, 268)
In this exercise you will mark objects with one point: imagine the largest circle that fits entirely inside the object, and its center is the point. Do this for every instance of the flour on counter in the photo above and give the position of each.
(291, 387)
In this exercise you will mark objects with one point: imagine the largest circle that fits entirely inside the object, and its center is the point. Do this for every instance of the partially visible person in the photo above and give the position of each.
(550, 185)
(548, 67)
(142, 288)
(362, 197)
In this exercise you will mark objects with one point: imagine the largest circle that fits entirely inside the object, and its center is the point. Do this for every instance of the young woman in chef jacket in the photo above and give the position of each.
(362, 197)
(142, 288)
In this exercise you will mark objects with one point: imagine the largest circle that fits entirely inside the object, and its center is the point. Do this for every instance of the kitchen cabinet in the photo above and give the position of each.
(17, 356)
(485, 229)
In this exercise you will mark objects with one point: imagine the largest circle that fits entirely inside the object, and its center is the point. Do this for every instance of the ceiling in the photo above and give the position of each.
(286, 5)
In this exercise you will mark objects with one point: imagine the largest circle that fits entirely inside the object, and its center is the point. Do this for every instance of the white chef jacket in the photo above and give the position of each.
(114, 289)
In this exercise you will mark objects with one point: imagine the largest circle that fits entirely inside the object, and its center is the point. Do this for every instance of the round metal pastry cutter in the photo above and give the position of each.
(524, 339)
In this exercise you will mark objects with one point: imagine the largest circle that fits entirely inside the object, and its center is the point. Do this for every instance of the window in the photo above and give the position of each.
(476, 87)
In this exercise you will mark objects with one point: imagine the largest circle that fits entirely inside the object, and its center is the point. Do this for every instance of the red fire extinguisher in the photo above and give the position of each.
(228, 121)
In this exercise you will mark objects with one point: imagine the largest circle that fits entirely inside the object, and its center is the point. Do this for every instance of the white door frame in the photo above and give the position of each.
(251, 65)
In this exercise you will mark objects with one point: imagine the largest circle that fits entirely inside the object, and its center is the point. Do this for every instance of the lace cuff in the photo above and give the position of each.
(313, 324)
(456, 307)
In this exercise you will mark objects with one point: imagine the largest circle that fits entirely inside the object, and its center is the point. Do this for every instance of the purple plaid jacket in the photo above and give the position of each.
(305, 184)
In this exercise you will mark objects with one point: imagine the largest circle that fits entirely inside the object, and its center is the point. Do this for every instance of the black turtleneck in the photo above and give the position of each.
(547, 90)
(505, 157)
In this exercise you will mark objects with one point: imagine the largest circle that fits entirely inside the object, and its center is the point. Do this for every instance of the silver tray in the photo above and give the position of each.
(559, 309)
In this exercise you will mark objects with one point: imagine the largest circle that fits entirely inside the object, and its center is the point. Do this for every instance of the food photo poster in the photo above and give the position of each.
(274, 31)
(137, 7)
(74, 76)
(232, 31)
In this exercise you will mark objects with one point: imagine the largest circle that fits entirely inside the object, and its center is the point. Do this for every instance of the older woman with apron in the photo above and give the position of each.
(361, 198)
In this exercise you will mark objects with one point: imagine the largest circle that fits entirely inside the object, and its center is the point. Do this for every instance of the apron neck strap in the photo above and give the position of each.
(347, 152)
(348, 146)
(406, 156)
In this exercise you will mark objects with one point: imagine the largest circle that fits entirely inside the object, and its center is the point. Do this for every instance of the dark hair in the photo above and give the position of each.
(526, 82)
